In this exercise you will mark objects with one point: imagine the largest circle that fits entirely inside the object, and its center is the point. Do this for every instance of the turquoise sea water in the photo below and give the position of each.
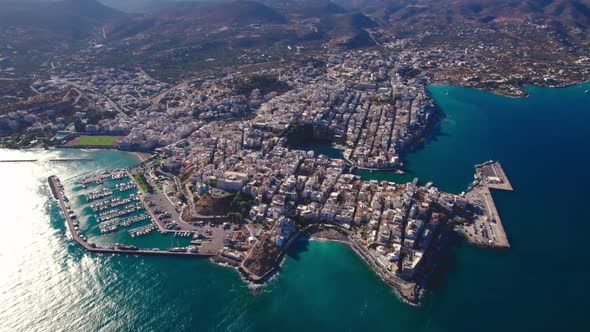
(47, 283)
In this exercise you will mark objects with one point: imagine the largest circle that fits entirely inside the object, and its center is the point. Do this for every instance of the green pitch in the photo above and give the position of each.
(96, 140)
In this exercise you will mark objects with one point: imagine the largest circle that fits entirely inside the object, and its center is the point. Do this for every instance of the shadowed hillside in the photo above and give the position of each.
(570, 12)
(70, 18)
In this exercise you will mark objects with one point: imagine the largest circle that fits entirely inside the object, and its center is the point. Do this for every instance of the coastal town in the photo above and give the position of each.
(396, 228)
(293, 165)
(333, 89)
(228, 173)
(228, 170)
(228, 166)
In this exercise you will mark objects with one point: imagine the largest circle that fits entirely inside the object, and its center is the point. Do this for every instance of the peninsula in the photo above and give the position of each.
(397, 229)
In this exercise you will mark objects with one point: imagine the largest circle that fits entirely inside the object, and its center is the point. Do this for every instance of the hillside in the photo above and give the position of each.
(183, 36)
(71, 18)
(193, 18)
(236, 12)
(31, 33)
(569, 12)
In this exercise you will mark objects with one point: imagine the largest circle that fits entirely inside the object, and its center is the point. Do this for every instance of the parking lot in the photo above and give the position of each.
(486, 228)
(208, 237)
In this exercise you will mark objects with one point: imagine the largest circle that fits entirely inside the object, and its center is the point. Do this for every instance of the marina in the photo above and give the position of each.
(143, 230)
(113, 203)
(58, 192)
(128, 209)
(126, 186)
(116, 174)
(113, 225)
(98, 194)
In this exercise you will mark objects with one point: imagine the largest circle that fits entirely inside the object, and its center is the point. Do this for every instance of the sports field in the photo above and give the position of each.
(95, 141)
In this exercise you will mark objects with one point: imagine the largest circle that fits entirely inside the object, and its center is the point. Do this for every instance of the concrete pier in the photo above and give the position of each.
(70, 159)
(493, 175)
(19, 161)
(103, 176)
(487, 229)
(51, 160)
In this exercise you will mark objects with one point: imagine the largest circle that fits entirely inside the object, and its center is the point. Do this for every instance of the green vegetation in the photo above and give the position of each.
(235, 217)
(184, 177)
(303, 224)
(242, 203)
(209, 206)
(142, 182)
(96, 140)
(156, 164)
(460, 220)
(383, 100)
(364, 231)
(308, 134)
(181, 196)
(263, 82)
(238, 204)
(17, 141)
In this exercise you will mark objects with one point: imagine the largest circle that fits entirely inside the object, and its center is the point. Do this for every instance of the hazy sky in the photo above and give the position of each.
(124, 5)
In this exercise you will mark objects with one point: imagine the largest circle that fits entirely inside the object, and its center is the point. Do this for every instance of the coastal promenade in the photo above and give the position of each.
(408, 291)
(352, 164)
(58, 194)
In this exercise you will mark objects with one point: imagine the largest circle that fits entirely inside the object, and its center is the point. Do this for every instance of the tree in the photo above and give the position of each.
(234, 217)
(80, 127)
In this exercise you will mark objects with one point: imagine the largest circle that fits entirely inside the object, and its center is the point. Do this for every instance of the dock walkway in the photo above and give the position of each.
(19, 161)
(50, 160)
(103, 176)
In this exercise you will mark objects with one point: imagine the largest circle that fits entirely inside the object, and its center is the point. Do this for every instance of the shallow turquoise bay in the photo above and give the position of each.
(47, 283)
